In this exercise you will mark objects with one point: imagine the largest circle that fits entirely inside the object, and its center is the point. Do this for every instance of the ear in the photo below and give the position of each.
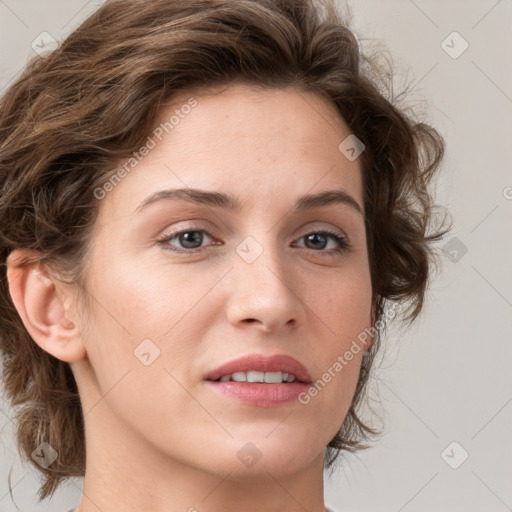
(40, 299)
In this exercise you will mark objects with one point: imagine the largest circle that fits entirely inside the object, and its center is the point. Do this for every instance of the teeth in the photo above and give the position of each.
(273, 377)
(254, 376)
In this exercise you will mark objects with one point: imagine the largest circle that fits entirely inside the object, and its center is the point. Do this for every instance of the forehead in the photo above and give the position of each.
(253, 143)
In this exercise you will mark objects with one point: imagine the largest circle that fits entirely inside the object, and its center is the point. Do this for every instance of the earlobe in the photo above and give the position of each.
(39, 299)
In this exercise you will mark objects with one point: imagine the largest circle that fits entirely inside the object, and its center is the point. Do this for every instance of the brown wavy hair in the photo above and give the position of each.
(77, 112)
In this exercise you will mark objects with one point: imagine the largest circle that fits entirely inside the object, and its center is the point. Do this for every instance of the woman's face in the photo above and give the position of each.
(261, 279)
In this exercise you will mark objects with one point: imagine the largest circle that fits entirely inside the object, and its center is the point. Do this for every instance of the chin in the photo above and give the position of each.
(278, 455)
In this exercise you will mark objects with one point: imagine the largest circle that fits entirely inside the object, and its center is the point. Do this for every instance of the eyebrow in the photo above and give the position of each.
(221, 200)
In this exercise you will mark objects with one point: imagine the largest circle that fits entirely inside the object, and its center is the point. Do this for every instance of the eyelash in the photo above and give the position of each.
(342, 241)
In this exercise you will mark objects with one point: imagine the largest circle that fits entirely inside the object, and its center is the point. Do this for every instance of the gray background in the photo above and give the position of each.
(448, 378)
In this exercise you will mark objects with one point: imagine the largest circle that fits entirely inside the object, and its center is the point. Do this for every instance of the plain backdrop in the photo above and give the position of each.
(443, 387)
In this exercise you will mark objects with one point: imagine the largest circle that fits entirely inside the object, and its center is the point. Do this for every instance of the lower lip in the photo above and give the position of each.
(260, 394)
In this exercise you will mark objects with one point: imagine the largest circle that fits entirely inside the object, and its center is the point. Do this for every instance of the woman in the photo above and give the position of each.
(208, 210)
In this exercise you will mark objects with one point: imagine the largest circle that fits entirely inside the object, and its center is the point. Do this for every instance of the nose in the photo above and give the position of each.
(265, 293)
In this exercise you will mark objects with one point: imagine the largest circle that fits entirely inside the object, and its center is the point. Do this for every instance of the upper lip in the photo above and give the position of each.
(262, 363)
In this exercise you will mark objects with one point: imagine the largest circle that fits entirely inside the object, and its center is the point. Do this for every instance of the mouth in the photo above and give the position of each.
(259, 380)
(261, 368)
(256, 376)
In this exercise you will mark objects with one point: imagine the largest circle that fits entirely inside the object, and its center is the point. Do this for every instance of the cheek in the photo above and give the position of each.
(344, 315)
(144, 299)
(344, 301)
(153, 309)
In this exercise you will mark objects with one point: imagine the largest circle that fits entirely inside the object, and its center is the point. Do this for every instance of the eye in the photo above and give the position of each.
(190, 239)
(317, 241)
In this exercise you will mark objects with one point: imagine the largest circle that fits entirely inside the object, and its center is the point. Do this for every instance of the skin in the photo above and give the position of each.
(158, 438)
